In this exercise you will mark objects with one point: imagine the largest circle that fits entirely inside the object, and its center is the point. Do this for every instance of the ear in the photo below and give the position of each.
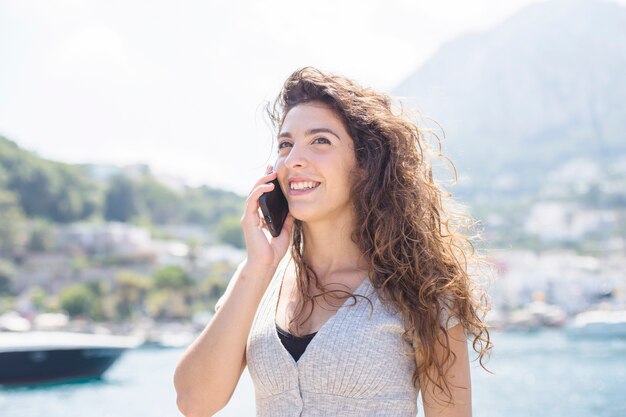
(356, 174)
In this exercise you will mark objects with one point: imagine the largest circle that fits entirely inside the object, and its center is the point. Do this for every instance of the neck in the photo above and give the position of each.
(328, 248)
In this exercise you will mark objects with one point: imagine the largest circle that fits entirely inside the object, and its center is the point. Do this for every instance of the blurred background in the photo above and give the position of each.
(131, 132)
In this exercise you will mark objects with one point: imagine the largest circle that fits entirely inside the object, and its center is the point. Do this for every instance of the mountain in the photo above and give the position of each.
(64, 193)
(545, 86)
(42, 188)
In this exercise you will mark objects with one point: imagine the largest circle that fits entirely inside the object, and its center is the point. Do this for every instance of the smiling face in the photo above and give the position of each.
(315, 159)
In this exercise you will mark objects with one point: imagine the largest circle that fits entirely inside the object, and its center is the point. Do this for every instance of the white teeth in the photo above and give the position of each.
(301, 185)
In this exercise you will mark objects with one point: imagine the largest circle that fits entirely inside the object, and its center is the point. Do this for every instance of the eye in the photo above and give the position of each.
(280, 145)
(322, 140)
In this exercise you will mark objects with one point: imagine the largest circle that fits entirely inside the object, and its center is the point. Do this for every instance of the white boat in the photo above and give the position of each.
(536, 315)
(175, 340)
(598, 324)
(44, 357)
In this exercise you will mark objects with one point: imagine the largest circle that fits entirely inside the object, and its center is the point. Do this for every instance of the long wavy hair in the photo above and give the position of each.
(417, 251)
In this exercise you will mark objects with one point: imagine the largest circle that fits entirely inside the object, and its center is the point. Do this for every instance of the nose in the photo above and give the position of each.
(296, 157)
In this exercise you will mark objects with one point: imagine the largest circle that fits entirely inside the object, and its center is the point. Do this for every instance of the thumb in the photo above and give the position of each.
(288, 224)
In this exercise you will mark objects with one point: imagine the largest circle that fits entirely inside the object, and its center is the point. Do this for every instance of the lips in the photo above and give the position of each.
(303, 185)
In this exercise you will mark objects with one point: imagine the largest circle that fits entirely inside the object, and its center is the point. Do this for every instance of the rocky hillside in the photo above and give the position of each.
(544, 86)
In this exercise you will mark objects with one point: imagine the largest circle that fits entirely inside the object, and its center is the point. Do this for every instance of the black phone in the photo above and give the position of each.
(275, 208)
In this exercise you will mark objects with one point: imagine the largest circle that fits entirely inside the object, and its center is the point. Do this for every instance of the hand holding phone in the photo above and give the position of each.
(263, 252)
(275, 208)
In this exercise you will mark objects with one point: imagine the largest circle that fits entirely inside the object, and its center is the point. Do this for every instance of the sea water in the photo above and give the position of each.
(542, 373)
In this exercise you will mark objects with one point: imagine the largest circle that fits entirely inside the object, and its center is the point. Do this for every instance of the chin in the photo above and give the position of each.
(306, 215)
(302, 216)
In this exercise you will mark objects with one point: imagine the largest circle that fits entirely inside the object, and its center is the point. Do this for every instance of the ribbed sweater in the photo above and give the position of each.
(357, 365)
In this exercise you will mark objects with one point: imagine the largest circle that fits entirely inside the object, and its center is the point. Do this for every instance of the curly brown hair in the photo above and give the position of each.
(419, 259)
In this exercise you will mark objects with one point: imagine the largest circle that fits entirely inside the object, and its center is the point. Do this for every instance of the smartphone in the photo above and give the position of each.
(275, 208)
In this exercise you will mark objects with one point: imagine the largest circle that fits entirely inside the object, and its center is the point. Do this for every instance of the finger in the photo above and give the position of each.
(252, 202)
(265, 178)
(267, 234)
(285, 232)
(263, 223)
(288, 224)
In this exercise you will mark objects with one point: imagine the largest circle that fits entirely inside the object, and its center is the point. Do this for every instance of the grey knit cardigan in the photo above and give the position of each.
(357, 365)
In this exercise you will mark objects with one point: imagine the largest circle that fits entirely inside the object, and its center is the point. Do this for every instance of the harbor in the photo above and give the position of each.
(542, 373)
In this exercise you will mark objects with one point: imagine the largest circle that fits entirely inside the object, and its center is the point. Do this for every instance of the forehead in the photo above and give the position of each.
(312, 115)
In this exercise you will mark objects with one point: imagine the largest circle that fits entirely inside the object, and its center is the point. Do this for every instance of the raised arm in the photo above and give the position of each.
(208, 373)
(459, 378)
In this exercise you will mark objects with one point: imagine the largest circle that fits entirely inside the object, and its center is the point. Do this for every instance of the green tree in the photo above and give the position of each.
(121, 202)
(41, 237)
(173, 295)
(207, 206)
(211, 289)
(132, 289)
(229, 231)
(157, 303)
(77, 300)
(7, 272)
(172, 277)
(99, 291)
(39, 298)
(48, 189)
(162, 203)
(13, 234)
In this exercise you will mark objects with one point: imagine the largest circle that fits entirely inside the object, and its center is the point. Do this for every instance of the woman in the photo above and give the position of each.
(364, 298)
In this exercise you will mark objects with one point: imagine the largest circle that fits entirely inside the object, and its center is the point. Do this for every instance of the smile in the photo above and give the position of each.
(301, 185)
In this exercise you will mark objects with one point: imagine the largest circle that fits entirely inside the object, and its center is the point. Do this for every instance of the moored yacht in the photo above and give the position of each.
(55, 356)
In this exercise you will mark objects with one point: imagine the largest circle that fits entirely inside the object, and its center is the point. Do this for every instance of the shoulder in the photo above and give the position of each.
(448, 311)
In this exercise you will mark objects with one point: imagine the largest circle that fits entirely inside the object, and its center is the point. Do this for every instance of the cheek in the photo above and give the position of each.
(349, 169)
(343, 179)
(280, 168)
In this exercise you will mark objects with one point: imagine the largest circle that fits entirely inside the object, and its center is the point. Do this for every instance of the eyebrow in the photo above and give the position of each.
(310, 132)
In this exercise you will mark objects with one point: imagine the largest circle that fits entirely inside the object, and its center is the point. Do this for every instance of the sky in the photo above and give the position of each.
(181, 85)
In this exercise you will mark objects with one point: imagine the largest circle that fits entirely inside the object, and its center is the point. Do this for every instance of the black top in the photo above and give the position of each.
(294, 344)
